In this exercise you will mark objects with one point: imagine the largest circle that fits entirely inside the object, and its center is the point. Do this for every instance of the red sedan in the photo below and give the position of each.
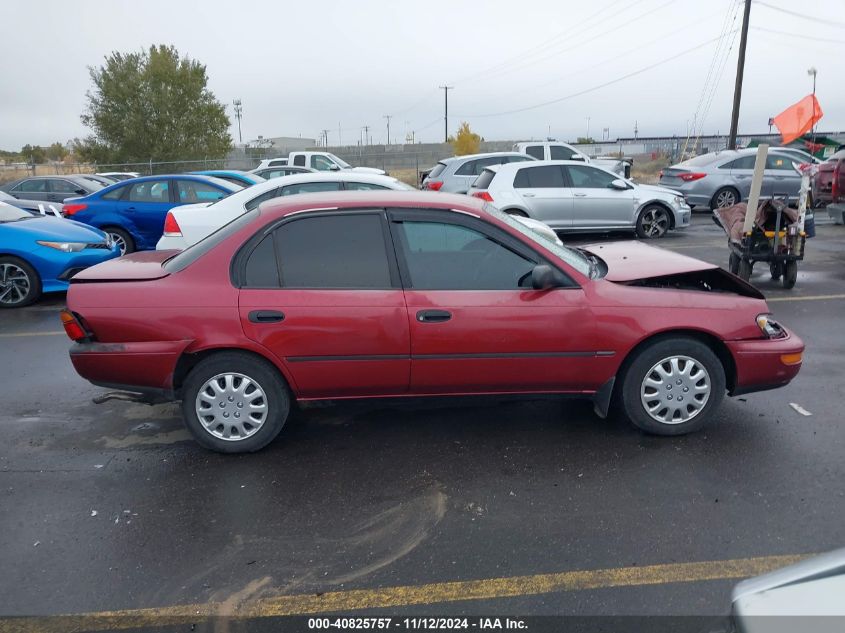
(384, 294)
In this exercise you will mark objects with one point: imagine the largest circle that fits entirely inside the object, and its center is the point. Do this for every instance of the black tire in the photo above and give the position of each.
(653, 222)
(639, 368)
(119, 235)
(733, 263)
(776, 269)
(517, 212)
(790, 274)
(20, 283)
(268, 380)
(745, 269)
(724, 197)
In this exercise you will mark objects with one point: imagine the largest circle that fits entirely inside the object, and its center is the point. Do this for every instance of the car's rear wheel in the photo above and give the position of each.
(744, 269)
(776, 270)
(20, 284)
(653, 222)
(733, 263)
(122, 238)
(672, 386)
(233, 402)
(724, 197)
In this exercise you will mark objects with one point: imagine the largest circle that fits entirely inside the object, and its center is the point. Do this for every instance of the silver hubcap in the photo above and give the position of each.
(725, 199)
(121, 243)
(14, 284)
(655, 222)
(231, 406)
(675, 390)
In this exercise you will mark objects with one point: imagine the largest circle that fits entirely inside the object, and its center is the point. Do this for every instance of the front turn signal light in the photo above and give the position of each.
(792, 359)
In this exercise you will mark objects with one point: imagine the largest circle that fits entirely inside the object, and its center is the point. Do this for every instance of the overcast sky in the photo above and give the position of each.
(300, 67)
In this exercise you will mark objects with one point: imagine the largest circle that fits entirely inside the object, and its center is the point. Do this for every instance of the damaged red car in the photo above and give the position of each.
(396, 294)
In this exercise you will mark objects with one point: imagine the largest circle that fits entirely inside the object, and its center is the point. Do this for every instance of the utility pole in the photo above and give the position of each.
(238, 110)
(446, 90)
(636, 130)
(740, 69)
(325, 138)
(366, 130)
(388, 117)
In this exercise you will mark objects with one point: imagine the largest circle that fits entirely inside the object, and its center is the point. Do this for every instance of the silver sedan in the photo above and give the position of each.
(721, 179)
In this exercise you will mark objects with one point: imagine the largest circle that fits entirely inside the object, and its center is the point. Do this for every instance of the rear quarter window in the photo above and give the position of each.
(438, 169)
(484, 180)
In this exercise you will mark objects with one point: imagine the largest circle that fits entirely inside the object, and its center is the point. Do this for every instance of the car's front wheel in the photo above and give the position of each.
(234, 403)
(653, 222)
(20, 284)
(672, 386)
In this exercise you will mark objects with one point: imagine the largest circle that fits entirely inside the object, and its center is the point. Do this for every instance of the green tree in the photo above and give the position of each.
(153, 105)
(34, 154)
(56, 151)
(585, 140)
(465, 141)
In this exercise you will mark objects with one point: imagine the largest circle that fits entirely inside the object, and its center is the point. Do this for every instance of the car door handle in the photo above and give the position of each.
(266, 316)
(580, 195)
(129, 209)
(528, 195)
(433, 316)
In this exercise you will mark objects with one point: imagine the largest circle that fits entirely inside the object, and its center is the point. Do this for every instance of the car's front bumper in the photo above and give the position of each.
(760, 363)
(56, 267)
(682, 216)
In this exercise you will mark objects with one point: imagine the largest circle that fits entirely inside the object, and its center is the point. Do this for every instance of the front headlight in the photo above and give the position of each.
(679, 201)
(769, 327)
(65, 247)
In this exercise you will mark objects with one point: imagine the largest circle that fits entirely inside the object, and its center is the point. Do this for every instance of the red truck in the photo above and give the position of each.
(829, 186)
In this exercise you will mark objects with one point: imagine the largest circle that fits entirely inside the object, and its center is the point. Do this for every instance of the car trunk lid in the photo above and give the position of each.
(141, 266)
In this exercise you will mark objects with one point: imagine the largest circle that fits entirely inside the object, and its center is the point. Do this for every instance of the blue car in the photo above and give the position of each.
(242, 178)
(132, 211)
(40, 253)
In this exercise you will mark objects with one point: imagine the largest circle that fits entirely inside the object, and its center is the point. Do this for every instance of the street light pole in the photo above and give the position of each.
(812, 71)
(238, 109)
(388, 117)
(446, 90)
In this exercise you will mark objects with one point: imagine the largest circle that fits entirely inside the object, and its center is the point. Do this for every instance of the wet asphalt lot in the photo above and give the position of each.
(113, 507)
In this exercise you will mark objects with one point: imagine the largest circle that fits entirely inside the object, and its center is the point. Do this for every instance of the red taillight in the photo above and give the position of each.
(73, 328)
(690, 176)
(72, 209)
(434, 185)
(171, 226)
(483, 195)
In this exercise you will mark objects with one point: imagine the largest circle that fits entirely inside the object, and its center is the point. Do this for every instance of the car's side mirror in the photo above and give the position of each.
(544, 277)
(619, 184)
(334, 168)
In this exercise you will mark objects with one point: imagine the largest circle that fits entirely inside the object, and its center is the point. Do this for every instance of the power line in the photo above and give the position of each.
(824, 21)
(578, 44)
(543, 45)
(803, 37)
(594, 88)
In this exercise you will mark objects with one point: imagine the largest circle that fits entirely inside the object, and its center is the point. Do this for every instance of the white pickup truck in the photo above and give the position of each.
(321, 161)
(554, 150)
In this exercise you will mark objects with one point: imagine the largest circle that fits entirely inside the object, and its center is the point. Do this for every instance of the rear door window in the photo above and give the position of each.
(115, 194)
(364, 186)
(469, 168)
(310, 187)
(150, 191)
(38, 185)
(334, 251)
(60, 185)
(438, 169)
(537, 151)
(746, 162)
(299, 159)
(543, 177)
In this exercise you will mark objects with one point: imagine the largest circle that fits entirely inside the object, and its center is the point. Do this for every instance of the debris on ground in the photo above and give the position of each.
(93, 513)
(799, 408)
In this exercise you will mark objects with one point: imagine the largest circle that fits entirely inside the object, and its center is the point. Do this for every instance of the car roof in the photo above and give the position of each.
(340, 200)
(539, 163)
(197, 177)
(332, 176)
(211, 172)
(474, 156)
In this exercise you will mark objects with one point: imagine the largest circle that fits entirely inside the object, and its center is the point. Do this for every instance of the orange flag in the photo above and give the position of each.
(799, 118)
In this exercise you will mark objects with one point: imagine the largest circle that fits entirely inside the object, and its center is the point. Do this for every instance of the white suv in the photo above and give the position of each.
(572, 196)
